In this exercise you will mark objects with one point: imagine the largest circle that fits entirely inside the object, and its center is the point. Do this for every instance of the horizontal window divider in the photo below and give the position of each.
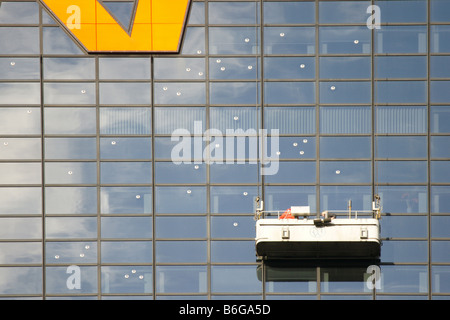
(232, 239)
(125, 264)
(70, 240)
(399, 79)
(403, 239)
(70, 215)
(266, 80)
(181, 239)
(70, 106)
(66, 264)
(84, 81)
(125, 239)
(400, 159)
(102, 160)
(19, 80)
(180, 264)
(100, 81)
(35, 160)
(125, 215)
(46, 185)
(125, 184)
(158, 214)
(20, 240)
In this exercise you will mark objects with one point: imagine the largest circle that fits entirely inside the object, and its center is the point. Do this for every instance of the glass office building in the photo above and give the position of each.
(93, 205)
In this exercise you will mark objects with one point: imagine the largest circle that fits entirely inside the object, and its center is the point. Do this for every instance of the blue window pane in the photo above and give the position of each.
(126, 279)
(401, 119)
(403, 11)
(343, 11)
(123, 200)
(439, 92)
(69, 68)
(233, 68)
(294, 172)
(234, 93)
(124, 68)
(174, 93)
(14, 252)
(57, 277)
(290, 93)
(345, 120)
(439, 225)
(125, 148)
(190, 199)
(404, 279)
(439, 10)
(440, 119)
(167, 120)
(338, 197)
(440, 199)
(234, 173)
(280, 198)
(126, 172)
(345, 172)
(234, 118)
(233, 199)
(440, 171)
(286, 12)
(223, 227)
(168, 172)
(71, 172)
(179, 68)
(124, 93)
(400, 67)
(20, 40)
(289, 120)
(71, 200)
(19, 68)
(345, 68)
(126, 251)
(233, 40)
(289, 68)
(70, 148)
(440, 36)
(401, 39)
(21, 228)
(403, 199)
(194, 41)
(345, 92)
(439, 251)
(285, 40)
(181, 279)
(401, 92)
(71, 252)
(345, 147)
(402, 171)
(125, 121)
(232, 251)
(19, 12)
(70, 120)
(340, 40)
(297, 147)
(404, 251)
(234, 279)
(440, 147)
(181, 251)
(126, 227)
(56, 41)
(71, 227)
(175, 227)
(404, 226)
(401, 147)
(233, 13)
(441, 279)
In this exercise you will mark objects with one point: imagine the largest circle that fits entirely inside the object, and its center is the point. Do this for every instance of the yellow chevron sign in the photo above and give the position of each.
(156, 25)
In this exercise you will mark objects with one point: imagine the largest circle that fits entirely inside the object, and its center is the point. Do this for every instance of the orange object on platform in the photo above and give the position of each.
(287, 215)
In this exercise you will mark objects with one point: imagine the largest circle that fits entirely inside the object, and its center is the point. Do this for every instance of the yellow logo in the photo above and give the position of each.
(155, 26)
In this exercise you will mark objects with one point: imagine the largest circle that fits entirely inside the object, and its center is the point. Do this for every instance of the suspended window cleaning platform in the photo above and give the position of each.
(294, 235)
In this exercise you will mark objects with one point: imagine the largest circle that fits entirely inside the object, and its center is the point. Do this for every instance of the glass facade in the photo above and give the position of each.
(93, 205)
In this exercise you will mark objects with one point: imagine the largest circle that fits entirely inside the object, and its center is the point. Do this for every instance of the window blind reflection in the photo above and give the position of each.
(125, 121)
(404, 119)
(291, 120)
(354, 120)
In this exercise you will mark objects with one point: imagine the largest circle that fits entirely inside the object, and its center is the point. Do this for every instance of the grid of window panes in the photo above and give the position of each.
(87, 143)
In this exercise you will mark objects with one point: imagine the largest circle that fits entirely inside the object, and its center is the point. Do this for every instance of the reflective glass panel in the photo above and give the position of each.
(289, 92)
(56, 279)
(345, 172)
(343, 11)
(232, 251)
(169, 172)
(197, 14)
(439, 66)
(20, 40)
(71, 172)
(71, 252)
(175, 227)
(11, 286)
(19, 12)
(20, 173)
(345, 92)
(403, 199)
(440, 147)
(440, 279)
(194, 41)
(20, 148)
(401, 39)
(70, 200)
(232, 227)
(179, 68)
(181, 251)
(243, 279)
(339, 40)
(56, 41)
(233, 68)
(70, 120)
(289, 12)
(126, 172)
(125, 121)
(126, 279)
(290, 279)
(343, 279)
(70, 148)
(404, 279)
(285, 40)
(126, 251)
(401, 92)
(69, 68)
(167, 120)
(404, 251)
(401, 147)
(439, 251)
(233, 13)
(23, 200)
(440, 171)
(126, 200)
(345, 147)
(21, 228)
(125, 148)
(233, 119)
(20, 121)
(126, 227)
(439, 224)
(19, 68)
(70, 227)
(180, 93)
(401, 119)
(294, 172)
(338, 197)
(233, 40)
(345, 67)
(236, 172)
(190, 199)
(21, 252)
(233, 199)
(234, 93)
(69, 93)
(439, 10)
(440, 199)
(289, 68)
(19, 93)
(439, 92)
(124, 68)
(403, 11)
(280, 198)
(440, 119)
(125, 93)
(181, 279)
(404, 226)
(402, 171)
(164, 146)
(345, 120)
(400, 67)
(297, 148)
(440, 36)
